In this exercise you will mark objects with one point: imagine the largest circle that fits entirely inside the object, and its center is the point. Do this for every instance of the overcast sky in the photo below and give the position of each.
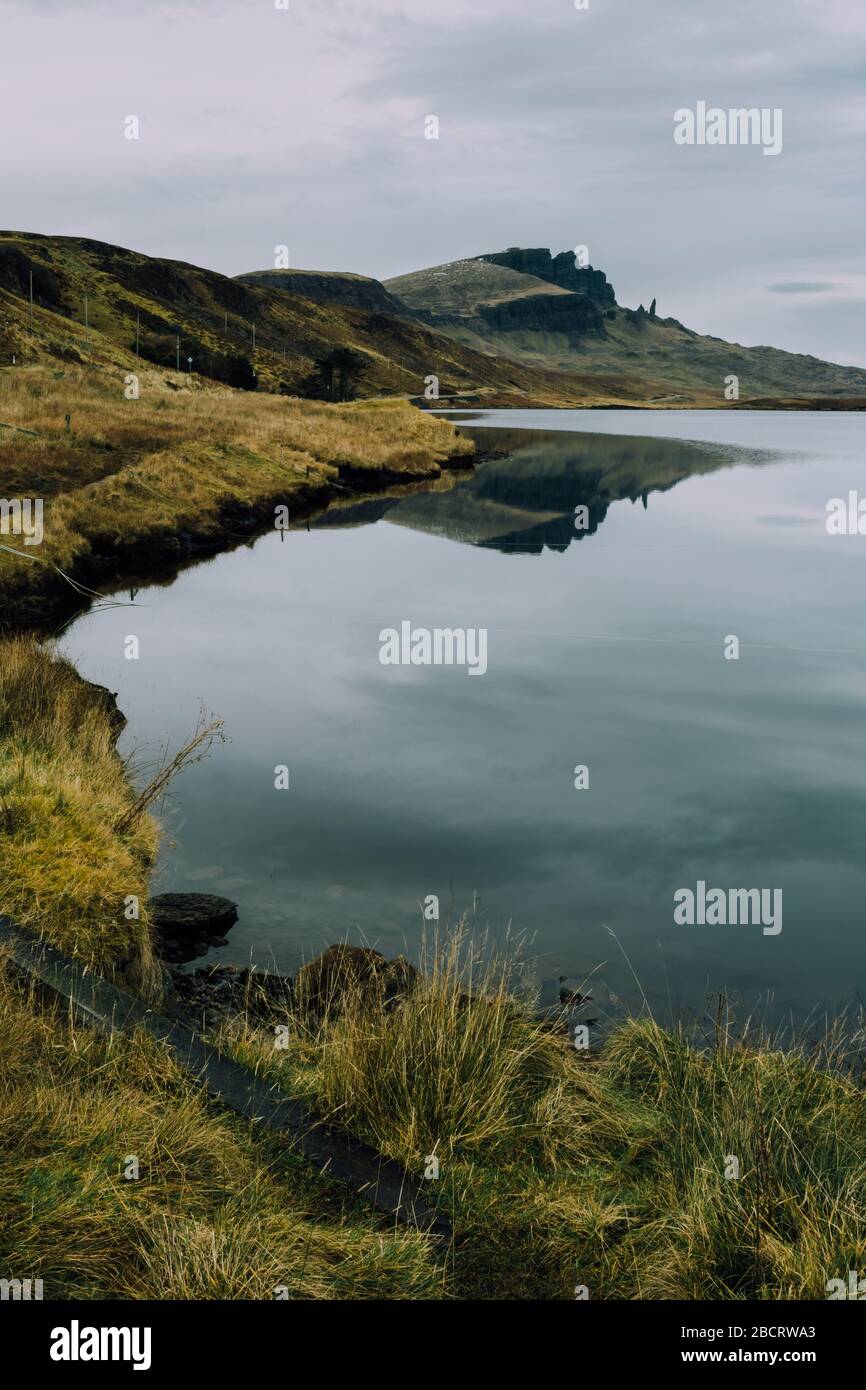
(262, 126)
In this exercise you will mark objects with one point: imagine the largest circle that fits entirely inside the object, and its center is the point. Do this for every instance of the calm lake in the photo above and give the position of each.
(605, 648)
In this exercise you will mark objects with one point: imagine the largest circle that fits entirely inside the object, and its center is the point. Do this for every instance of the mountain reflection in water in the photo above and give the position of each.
(527, 499)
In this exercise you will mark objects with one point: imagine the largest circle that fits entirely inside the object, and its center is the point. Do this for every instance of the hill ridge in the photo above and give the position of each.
(548, 311)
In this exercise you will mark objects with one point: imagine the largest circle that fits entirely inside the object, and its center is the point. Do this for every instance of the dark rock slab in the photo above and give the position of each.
(188, 923)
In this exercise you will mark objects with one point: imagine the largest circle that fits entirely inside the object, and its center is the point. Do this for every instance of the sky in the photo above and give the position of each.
(305, 127)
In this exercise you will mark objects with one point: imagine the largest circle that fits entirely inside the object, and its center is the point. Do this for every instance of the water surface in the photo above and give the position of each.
(605, 648)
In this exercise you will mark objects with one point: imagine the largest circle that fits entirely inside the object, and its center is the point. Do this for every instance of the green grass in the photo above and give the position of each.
(560, 1169)
(216, 1212)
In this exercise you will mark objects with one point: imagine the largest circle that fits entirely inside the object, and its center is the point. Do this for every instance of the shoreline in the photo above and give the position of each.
(162, 558)
(555, 1164)
(114, 557)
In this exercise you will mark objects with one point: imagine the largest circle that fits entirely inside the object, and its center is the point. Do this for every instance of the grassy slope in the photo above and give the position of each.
(668, 363)
(291, 332)
(186, 457)
(556, 1170)
(456, 288)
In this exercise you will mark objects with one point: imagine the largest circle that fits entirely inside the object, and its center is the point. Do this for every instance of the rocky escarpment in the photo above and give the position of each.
(330, 287)
(560, 270)
(517, 291)
(558, 313)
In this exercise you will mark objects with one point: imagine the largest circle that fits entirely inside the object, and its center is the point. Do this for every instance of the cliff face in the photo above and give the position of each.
(510, 294)
(556, 270)
(556, 313)
(330, 287)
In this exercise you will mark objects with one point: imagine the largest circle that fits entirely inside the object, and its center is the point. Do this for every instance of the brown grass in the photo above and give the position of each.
(217, 1212)
(64, 870)
(134, 472)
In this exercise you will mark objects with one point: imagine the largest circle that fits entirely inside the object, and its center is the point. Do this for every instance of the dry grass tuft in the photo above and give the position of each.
(215, 1213)
(608, 1171)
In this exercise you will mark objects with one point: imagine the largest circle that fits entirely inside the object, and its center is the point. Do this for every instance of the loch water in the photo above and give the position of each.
(606, 648)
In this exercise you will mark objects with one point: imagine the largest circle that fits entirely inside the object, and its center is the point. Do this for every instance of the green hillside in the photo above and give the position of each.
(545, 333)
(105, 305)
(545, 316)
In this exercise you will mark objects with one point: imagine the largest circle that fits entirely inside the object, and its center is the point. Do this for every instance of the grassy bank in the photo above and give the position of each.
(215, 1211)
(66, 871)
(662, 1166)
(564, 1175)
(558, 1170)
(188, 466)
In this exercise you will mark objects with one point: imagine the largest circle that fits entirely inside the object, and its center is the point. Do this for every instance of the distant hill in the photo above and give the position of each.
(512, 328)
(93, 302)
(480, 287)
(545, 311)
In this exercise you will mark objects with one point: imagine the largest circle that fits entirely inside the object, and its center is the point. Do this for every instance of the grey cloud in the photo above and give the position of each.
(305, 127)
(801, 287)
